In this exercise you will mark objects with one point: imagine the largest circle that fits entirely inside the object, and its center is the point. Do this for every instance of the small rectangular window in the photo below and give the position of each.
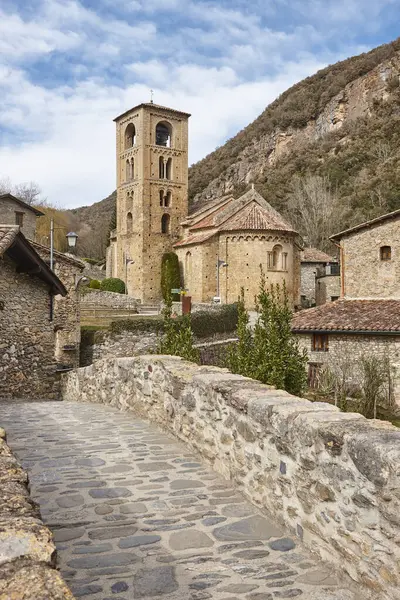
(334, 298)
(386, 253)
(19, 218)
(320, 342)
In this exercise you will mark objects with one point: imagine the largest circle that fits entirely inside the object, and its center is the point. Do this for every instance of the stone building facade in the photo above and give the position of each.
(370, 258)
(152, 195)
(14, 211)
(224, 244)
(28, 366)
(365, 321)
(314, 289)
(66, 308)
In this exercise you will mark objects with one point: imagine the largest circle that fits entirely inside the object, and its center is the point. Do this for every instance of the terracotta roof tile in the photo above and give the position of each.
(196, 238)
(315, 255)
(254, 217)
(8, 233)
(350, 315)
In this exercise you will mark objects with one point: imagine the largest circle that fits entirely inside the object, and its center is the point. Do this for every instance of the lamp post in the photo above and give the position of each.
(220, 263)
(71, 238)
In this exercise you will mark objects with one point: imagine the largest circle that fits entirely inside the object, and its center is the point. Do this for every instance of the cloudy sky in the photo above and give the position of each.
(68, 67)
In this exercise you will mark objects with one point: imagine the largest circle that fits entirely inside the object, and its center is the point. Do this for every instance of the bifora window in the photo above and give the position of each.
(320, 342)
(386, 253)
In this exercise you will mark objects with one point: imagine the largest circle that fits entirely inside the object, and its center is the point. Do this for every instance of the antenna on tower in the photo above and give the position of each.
(151, 96)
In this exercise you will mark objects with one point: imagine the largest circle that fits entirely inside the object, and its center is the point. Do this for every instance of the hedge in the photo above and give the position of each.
(204, 323)
(113, 284)
(94, 284)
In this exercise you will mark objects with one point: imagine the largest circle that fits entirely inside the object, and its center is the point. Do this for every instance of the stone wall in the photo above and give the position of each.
(331, 477)
(346, 350)
(27, 550)
(66, 309)
(107, 300)
(307, 288)
(327, 287)
(365, 274)
(27, 337)
(8, 208)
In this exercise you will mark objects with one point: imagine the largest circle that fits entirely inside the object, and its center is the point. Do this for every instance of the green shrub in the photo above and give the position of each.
(153, 324)
(222, 320)
(203, 323)
(178, 337)
(170, 275)
(269, 353)
(94, 284)
(113, 284)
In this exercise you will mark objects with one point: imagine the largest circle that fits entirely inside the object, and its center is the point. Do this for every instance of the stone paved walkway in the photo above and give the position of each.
(136, 515)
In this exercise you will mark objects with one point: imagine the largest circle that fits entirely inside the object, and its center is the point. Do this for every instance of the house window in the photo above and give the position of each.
(19, 218)
(320, 342)
(334, 298)
(386, 253)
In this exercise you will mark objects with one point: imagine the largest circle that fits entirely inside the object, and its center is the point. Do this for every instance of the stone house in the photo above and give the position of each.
(28, 366)
(224, 244)
(16, 212)
(366, 318)
(66, 308)
(319, 278)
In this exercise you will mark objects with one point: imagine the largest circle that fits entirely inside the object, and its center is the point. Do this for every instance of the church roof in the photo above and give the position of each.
(152, 105)
(196, 238)
(250, 211)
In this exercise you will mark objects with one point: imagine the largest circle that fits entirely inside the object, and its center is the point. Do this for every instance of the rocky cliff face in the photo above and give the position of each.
(355, 100)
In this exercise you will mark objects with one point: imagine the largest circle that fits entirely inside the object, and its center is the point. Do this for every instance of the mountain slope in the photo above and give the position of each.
(328, 148)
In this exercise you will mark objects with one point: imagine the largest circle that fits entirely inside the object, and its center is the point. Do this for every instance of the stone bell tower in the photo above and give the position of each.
(152, 194)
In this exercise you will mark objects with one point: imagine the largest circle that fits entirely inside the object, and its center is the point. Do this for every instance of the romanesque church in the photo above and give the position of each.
(220, 247)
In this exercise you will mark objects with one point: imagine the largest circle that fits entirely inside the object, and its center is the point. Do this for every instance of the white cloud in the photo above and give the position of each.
(66, 71)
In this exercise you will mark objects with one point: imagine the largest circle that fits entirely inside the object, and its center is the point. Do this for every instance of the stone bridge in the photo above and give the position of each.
(137, 513)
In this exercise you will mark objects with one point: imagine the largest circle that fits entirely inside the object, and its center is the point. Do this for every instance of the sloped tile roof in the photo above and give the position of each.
(8, 233)
(254, 217)
(350, 315)
(372, 223)
(315, 255)
(45, 250)
(196, 238)
(265, 213)
(23, 204)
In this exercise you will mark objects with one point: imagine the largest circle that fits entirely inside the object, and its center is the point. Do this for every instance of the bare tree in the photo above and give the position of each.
(314, 208)
(30, 192)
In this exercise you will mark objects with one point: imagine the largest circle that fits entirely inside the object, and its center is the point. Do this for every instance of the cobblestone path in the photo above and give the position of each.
(136, 515)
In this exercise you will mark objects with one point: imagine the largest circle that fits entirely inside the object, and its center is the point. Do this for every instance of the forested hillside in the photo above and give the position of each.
(326, 153)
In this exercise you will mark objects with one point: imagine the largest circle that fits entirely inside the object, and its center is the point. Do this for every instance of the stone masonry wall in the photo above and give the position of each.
(345, 350)
(108, 300)
(9, 207)
(331, 477)
(27, 550)
(307, 289)
(365, 274)
(27, 338)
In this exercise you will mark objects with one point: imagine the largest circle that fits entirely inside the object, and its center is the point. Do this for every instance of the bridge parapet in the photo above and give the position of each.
(332, 477)
(27, 550)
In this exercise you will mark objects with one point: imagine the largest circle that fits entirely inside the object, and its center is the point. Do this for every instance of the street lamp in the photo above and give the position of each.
(220, 263)
(71, 239)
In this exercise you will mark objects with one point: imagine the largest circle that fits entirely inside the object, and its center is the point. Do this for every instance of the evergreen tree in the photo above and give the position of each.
(178, 336)
(170, 275)
(270, 352)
